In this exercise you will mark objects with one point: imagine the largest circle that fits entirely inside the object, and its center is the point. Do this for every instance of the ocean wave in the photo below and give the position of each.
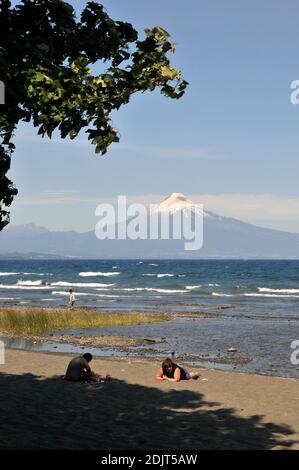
(252, 294)
(282, 291)
(131, 289)
(165, 275)
(280, 296)
(194, 287)
(80, 284)
(159, 275)
(30, 283)
(37, 274)
(81, 294)
(167, 291)
(202, 285)
(152, 289)
(219, 294)
(93, 274)
(111, 295)
(153, 264)
(8, 274)
(16, 286)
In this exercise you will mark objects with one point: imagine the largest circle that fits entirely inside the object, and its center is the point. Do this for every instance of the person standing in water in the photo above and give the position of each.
(72, 299)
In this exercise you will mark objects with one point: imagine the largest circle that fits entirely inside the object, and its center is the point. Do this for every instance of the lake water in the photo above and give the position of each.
(263, 296)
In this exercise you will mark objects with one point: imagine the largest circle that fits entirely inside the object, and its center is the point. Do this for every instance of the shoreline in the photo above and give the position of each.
(146, 341)
(150, 360)
(192, 362)
(221, 410)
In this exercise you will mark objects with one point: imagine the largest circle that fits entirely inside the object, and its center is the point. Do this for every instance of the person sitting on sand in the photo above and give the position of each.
(173, 372)
(79, 369)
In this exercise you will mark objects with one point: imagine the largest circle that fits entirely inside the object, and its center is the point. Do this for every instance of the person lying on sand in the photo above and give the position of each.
(79, 369)
(173, 372)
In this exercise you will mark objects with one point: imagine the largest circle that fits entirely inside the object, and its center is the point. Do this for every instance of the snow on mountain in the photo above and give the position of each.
(224, 237)
(179, 202)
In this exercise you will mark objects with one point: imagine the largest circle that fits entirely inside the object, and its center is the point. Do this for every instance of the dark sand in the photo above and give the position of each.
(39, 410)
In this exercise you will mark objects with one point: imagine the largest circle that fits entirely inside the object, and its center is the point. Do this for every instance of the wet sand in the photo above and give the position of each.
(221, 410)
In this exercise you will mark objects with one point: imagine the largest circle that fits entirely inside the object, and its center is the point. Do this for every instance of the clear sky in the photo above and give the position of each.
(231, 142)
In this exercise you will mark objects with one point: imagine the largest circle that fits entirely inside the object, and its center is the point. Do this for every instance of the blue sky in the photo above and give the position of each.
(231, 142)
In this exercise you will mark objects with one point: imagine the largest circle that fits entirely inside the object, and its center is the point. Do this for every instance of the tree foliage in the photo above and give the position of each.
(45, 58)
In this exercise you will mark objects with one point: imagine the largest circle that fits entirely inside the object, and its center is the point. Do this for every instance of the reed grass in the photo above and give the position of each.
(37, 321)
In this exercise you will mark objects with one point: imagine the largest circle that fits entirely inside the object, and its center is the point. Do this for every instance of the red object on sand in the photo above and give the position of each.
(108, 377)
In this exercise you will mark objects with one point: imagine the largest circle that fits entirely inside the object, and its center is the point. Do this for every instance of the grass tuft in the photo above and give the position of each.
(36, 321)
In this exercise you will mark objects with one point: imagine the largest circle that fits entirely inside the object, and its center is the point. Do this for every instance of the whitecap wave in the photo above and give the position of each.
(282, 291)
(37, 274)
(80, 284)
(30, 283)
(111, 295)
(165, 275)
(94, 274)
(202, 285)
(8, 274)
(152, 289)
(169, 291)
(219, 294)
(159, 275)
(280, 296)
(16, 286)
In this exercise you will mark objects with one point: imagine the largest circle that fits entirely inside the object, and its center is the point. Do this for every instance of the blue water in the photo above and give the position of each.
(263, 299)
(269, 287)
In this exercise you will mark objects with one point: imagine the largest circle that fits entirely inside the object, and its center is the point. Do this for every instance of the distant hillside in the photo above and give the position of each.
(224, 238)
(20, 256)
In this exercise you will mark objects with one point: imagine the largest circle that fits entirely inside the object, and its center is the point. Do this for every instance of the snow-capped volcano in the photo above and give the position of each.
(224, 238)
(179, 202)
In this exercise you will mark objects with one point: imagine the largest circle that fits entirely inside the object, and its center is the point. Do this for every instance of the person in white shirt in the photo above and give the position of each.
(72, 299)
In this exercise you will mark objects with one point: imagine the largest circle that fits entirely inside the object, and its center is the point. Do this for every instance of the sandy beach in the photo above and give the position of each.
(221, 410)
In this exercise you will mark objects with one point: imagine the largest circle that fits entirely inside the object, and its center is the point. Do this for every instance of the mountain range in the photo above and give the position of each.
(223, 238)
